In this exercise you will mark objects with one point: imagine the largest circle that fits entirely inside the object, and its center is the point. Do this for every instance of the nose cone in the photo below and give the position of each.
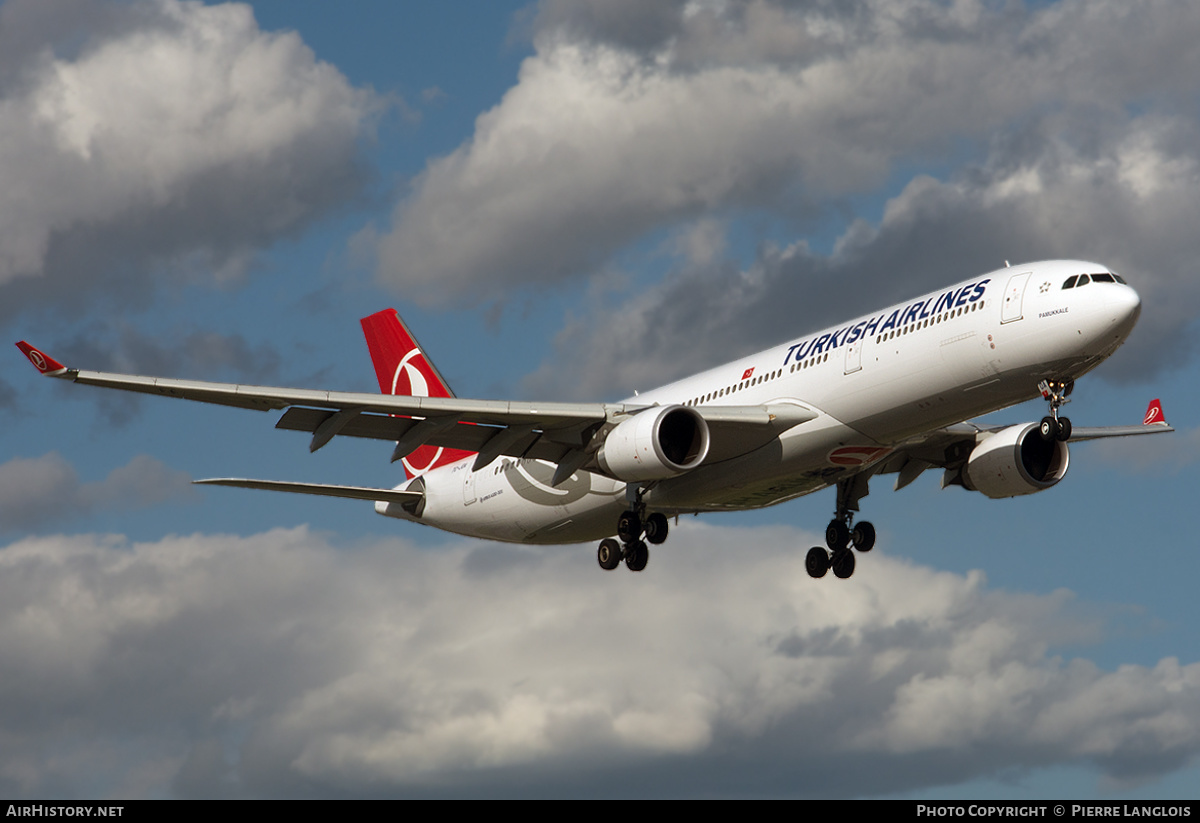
(1116, 315)
(1125, 306)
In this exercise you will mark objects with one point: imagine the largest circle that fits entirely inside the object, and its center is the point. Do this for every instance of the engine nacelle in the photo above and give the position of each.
(1015, 460)
(655, 444)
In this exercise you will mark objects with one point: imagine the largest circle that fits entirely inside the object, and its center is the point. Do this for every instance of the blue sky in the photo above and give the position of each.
(575, 200)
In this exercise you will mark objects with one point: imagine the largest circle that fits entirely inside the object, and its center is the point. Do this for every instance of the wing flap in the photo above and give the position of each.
(518, 440)
(735, 430)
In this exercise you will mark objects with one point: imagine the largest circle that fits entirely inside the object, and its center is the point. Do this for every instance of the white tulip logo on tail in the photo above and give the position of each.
(403, 368)
(1154, 414)
(418, 386)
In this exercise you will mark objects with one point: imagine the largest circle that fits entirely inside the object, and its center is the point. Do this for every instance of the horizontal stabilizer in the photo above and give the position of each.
(353, 492)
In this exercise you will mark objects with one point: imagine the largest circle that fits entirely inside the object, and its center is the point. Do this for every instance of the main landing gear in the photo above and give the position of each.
(632, 526)
(1054, 427)
(843, 536)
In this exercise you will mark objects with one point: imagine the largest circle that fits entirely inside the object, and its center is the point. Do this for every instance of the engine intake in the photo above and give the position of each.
(1014, 461)
(655, 444)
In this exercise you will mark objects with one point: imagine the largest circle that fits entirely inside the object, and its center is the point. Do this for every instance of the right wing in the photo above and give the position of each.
(568, 434)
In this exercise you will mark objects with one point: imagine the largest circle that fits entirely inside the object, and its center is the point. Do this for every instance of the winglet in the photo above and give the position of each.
(1154, 414)
(42, 362)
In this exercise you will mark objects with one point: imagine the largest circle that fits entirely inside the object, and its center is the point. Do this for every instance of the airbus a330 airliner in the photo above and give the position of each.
(885, 393)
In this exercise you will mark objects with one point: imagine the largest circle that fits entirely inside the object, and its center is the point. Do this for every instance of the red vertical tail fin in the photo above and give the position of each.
(403, 368)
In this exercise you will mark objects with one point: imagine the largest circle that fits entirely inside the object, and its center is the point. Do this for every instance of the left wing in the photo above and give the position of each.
(1153, 423)
(569, 434)
(949, 448)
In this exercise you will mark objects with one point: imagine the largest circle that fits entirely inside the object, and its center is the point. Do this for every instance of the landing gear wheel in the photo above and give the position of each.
(837, 535)
(862, 536)
(842, 563)
(1054, 427)
(656, 528)
(1064, 429)
(629, 528)
(609, 554)
(1049, 428)
(636, 556)
(816, 562)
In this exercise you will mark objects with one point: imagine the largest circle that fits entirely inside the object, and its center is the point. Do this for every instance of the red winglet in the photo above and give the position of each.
(1154, 414)
(42, 362)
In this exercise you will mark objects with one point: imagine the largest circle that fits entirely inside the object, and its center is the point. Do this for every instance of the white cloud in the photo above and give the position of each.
(283, 664)
(168, 131)
(36, 491)
(609, 134)
(1043, 199)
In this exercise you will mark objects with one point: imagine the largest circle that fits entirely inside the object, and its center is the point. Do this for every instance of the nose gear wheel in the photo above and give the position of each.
(1056, 394)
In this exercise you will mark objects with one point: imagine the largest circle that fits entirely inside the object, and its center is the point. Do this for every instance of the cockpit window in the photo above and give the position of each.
(1083, 280)
(1119, 279)
(1070, 284)
(1102, 278)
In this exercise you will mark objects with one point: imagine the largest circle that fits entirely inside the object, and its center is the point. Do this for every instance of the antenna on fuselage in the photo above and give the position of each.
(1007, 265)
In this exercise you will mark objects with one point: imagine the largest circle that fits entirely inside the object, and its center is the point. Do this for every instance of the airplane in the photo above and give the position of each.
(890, 392)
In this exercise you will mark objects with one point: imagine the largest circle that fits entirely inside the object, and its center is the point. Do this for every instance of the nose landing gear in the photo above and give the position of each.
(1052, 426)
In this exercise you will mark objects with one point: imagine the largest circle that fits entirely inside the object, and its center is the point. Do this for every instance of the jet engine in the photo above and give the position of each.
(1013, 461)
(655, 444)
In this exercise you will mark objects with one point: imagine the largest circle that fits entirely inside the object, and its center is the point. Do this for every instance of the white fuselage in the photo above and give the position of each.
(874, 382)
